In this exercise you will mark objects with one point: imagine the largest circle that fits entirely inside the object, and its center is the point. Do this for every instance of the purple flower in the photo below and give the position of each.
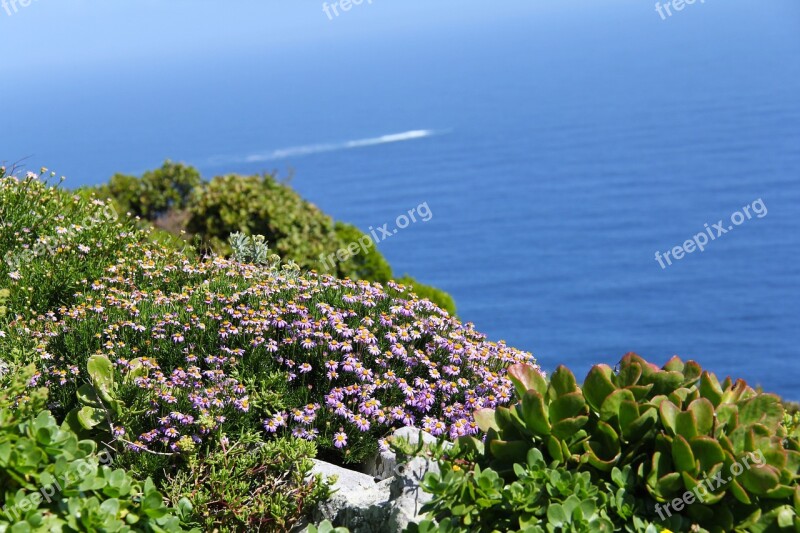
(340, 440)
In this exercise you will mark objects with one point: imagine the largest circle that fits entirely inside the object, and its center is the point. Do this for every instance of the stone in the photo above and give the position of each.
(359, 503)
(406, 495)
(365, 506)
(383, 464)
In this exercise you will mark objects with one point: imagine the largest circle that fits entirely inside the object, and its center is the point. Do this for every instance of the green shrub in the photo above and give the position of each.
(260, 205)
(539, 498)
(675, 428)
(231, 347)
(175, 198)
(155, 193)
(53, 242)
(248, 485)
(368, 263)
(51, 481)
(437, 296)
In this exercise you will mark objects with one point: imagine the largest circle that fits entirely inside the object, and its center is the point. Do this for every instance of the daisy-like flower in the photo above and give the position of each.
(361, 423)
(16, 276)
(340, 440)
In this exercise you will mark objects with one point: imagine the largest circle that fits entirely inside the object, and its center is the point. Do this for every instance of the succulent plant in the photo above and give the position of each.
(678, 428)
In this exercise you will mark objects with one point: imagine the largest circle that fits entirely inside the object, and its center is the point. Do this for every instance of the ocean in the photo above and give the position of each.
(557, 150)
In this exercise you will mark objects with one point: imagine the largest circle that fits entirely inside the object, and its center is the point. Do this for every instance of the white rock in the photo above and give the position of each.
(358, 503)
(406, 495)
(364, 506)
(383, 464)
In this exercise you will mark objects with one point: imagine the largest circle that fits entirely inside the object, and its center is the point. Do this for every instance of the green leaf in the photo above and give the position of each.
(485, 419)
(686, 425)
(567, 428)
(598, 385)
(526, 377)
(710, 389)
(101, 371)
(534, 414)
(567, 406)
(89, 417)
(763, 409)
(707, 451)
(669, 413)
(703, 411)
(682, 455)
(556, 516)
(563, 381)
(609, 410)
(760, 479)
(88, 396)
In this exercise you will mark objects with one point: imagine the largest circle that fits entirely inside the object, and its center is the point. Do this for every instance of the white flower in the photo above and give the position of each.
(2, 333)
(14, 275)
(83, 248)
(61, 231)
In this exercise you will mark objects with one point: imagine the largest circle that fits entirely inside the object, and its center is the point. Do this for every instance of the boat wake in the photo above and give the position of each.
(299, 151)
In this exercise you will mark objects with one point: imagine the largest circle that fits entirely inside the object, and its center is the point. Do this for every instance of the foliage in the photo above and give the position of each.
(253, 250)
(175, 198)
(199, 348)
(155, 193)
(52, 242)
(674, 427)
(260, 205)
(4, 295)
(368, 263)
(247, 485)
(437, 296)
(539, 498)
(51, 481)
(327, 527)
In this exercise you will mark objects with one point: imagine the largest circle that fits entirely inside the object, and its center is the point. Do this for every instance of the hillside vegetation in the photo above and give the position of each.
(152, 385)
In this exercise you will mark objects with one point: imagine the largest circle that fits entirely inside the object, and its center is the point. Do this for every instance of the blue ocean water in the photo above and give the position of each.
(564, 148)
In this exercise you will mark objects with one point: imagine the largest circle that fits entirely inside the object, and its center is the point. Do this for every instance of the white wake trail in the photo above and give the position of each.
(296, 151)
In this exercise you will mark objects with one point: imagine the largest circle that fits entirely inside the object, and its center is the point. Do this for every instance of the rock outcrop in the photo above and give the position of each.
(385, 500)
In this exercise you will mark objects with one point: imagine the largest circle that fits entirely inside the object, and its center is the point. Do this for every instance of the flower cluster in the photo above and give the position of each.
(197, 346)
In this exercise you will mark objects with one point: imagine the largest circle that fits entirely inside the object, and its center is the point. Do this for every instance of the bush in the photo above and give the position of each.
(249, 485)
(200, 349)
(367, 264)
(260, 205)
(673, 429)
(437, 296)
(174, 198)
(53, 242)
(154, 194)
(51, 481)
(540, 498)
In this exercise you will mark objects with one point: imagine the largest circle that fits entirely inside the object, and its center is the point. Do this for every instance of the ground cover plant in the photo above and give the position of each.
(52, 241)
(629, 449)
(220, 378)
(199, 349)
(194, 370)
(52, 481)
(183, 206)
